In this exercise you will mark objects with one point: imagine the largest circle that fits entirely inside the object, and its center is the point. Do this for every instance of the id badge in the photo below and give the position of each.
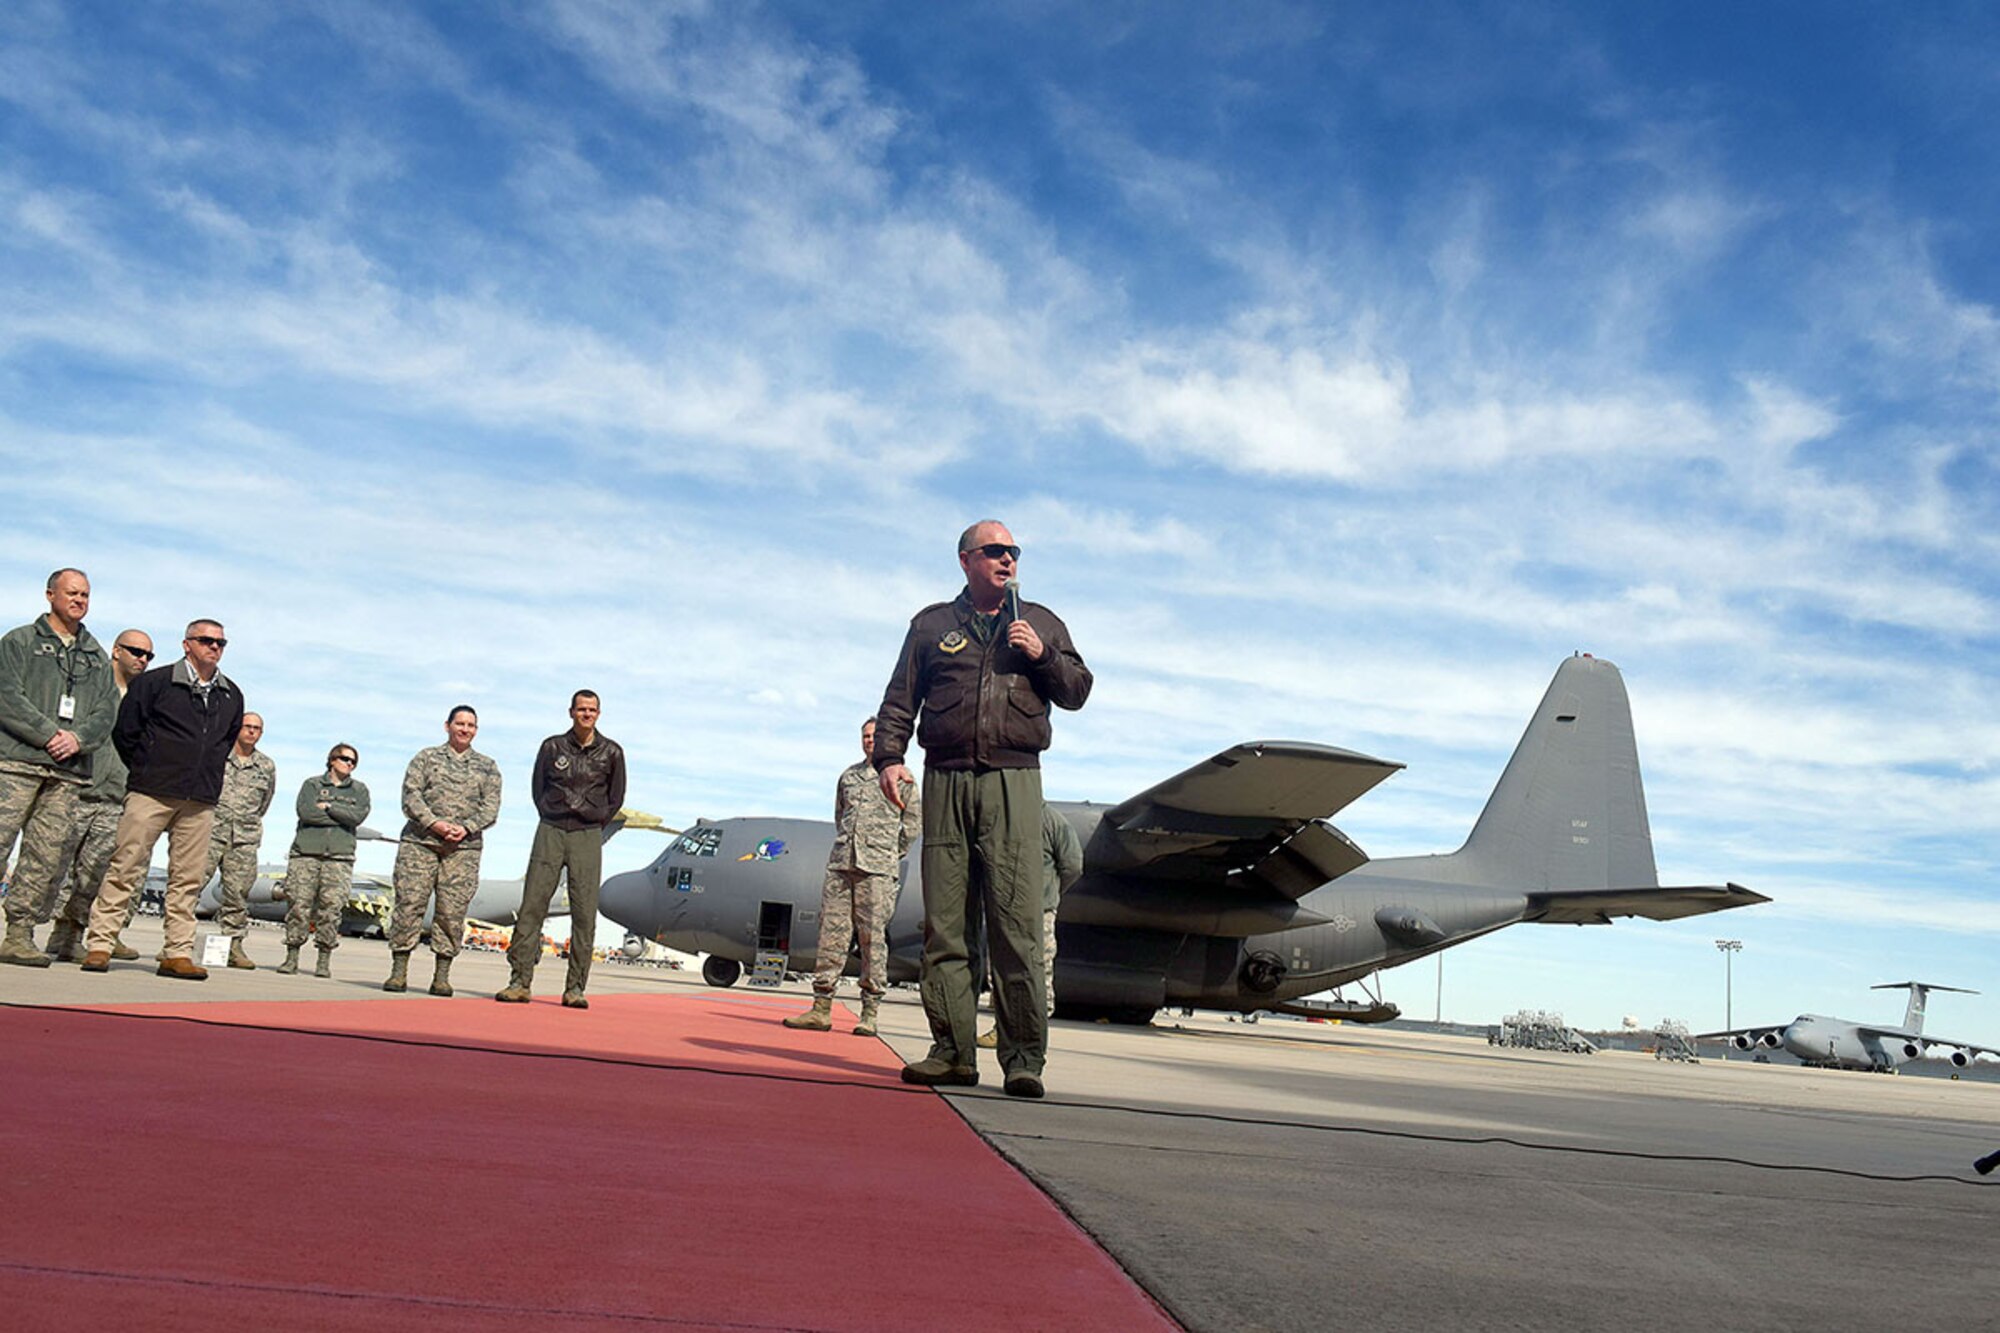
(66, 708)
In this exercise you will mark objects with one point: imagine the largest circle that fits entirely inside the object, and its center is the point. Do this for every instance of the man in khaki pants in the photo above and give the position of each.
(174, 731)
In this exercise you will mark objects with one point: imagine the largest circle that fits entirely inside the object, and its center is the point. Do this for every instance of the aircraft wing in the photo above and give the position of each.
(1755, 1036)
(1594, 907)
(1255, 808)
(1924, 1039)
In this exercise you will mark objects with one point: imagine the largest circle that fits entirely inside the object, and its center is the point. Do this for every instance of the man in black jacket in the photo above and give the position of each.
(983, 668)
(174, 732)
(579, 787)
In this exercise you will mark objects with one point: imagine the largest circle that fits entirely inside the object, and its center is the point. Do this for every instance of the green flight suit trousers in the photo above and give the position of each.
(581, 853)
(983, 854)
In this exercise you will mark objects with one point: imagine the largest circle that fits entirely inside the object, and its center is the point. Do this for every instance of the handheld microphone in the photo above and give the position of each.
(1013, 603)
(1984, 1166)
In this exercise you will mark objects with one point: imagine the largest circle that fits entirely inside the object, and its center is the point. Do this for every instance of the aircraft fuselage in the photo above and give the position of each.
(722, 885)
(1839, 1044)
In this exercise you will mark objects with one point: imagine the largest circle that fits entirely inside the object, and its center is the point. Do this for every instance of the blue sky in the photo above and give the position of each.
(1340, 370)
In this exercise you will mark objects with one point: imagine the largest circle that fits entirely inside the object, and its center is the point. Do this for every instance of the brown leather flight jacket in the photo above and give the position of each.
(985, 705)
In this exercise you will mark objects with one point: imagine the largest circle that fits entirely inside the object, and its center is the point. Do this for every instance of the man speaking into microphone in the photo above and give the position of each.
(983, 678)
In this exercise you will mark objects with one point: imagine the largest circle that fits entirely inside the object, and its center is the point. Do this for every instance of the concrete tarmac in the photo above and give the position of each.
(1302, 1176)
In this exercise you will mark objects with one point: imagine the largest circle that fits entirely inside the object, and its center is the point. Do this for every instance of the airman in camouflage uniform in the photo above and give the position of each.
(249, 779)
(320, 868)
(87, 851)
(451, 795)
(863, 876)
(57, 705)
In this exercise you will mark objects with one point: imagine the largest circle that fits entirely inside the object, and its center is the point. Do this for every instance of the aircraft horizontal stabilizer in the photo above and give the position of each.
(1255, 807)
(1592, 907)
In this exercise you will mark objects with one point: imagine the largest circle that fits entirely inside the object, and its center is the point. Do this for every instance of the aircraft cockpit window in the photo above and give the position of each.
(699, 842)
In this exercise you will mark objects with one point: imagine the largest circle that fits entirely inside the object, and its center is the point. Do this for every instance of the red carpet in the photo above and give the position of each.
(168, 1174)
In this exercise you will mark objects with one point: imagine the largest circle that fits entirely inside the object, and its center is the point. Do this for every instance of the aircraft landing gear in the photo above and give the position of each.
(720, 972)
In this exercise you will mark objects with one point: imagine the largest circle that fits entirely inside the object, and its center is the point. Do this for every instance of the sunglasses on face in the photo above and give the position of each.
(142, 654)
(208, 641)
(345, 759)
(999, 550)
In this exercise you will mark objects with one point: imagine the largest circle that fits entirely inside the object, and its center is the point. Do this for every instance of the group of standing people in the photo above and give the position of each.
(101, 756)
(151, 742)
(973, 685)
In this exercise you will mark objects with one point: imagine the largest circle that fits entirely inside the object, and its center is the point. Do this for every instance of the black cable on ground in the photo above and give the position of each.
(1120, 1108)
(1487, 1140)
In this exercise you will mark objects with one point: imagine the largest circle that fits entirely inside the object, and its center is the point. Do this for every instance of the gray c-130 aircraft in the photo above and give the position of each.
(1224, 887)
(1842, 1043)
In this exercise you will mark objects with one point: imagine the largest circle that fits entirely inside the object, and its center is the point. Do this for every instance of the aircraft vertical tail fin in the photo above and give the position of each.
(1569, 811)
(1913, 1013)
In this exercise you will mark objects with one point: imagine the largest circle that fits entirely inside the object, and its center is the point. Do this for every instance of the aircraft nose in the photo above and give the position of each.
(625, 896)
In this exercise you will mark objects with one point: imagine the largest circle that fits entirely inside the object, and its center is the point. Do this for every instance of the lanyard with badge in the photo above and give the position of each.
(66, 706)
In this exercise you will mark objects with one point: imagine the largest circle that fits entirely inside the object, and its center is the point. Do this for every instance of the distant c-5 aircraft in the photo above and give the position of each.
(1839, 1043)
(1224, 887)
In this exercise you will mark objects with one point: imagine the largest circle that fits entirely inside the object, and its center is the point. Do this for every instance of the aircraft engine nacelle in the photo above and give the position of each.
(632, 947)
(1262, 972)
(1959, 1059)
(1912, 1051)
(1771, 1039)
(1741, 1041)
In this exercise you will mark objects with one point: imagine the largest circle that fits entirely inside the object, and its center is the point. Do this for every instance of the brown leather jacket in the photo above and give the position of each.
(985, 705)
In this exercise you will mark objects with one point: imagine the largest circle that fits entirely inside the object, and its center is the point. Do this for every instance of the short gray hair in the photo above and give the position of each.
(965, 542)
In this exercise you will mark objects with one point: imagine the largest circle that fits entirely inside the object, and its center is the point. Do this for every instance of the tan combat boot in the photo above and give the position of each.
(238, 958)
(870, 1004)
(819, 1018)
(399, 971)
(291, 963)
(441, 977)
(517, 991)
(122, 951)
(324, 967)
(19, 947)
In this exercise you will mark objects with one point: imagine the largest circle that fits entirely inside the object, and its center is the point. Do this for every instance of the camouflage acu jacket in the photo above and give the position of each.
(107, 773)
(460, 789)
(869, 834)
(247, 786)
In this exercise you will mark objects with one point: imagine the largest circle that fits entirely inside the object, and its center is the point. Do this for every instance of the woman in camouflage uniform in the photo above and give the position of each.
(321, 870)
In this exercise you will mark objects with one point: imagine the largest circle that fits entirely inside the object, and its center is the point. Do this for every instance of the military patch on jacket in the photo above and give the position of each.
(952, 642)
(562, 761)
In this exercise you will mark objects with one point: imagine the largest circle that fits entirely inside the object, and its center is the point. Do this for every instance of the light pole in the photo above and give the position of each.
(1730, 948)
